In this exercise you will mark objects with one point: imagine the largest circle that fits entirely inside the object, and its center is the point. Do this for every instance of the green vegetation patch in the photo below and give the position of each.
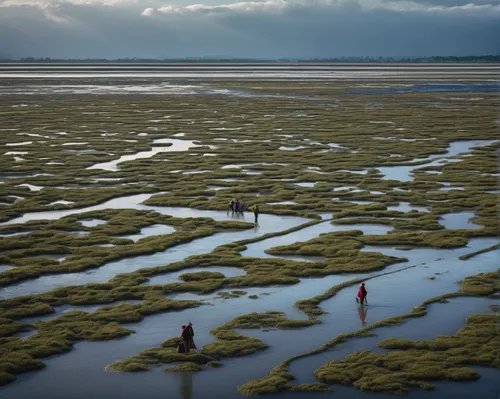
(412, 364)
(279, 378)
(228, 344)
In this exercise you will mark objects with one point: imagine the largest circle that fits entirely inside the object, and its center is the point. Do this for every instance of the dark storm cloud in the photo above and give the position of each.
(273, 28)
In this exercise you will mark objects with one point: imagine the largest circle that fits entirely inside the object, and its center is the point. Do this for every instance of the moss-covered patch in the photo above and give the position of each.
(185, 367)
(482, 251)
(279, 379)
(413, 364)
(200, 276)
(228, 344)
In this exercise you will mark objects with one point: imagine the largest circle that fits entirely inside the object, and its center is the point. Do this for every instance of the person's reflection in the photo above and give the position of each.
(362, 311)
(186, 385)
(256, 228)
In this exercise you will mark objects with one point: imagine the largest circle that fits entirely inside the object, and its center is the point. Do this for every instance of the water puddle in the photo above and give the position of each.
(177, 146)
(126, 202)
(3, 268)
(15, 234)
(358, 172)
(306, 184)
(407, 207)
(19, 144)
(92, 222)
(32, 187)
(75, 143)
(228, 179)
(358, 202)
(404, 173)
(459, 220)
(154, 230)
(61, 202)
(284, 148)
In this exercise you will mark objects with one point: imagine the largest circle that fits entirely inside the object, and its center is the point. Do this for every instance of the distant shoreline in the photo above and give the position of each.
(485, 59)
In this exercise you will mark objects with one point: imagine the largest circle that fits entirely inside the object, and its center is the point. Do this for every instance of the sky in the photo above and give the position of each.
(269, 28)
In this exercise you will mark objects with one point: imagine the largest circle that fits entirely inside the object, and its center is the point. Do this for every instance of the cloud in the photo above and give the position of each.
(332, 5)
(243, 6)
(269, 28)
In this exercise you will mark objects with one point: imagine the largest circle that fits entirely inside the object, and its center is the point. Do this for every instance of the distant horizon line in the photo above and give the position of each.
(221, 58)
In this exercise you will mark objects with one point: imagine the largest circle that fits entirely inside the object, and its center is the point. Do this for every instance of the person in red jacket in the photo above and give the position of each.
(362, 292)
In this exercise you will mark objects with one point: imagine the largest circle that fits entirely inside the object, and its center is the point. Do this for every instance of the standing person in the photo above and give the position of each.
(235, 205)
(192, 345)
(256, 212)
(241, 206)
(232, 206)
(362, 292)
(185, 337)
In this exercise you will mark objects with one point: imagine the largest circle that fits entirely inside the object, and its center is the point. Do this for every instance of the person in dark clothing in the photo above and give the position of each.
(192, 345)
(362, 292)
(256, 212)
(185, 337)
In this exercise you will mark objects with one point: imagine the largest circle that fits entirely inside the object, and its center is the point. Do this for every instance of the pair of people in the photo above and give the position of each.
(362, 293)
(187, 339)
(236, 206)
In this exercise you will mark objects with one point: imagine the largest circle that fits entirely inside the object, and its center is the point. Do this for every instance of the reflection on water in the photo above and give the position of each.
(362, 312)
(431, 88)
(186, 390)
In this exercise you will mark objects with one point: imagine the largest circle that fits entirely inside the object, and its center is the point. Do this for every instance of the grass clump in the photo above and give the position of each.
(482, 251)
(185, 367)
(214, 364)
(200, 276)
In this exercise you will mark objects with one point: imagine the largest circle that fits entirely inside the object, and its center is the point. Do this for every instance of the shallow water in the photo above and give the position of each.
(306, 184)
(257, 249)
(177, 145)
(153, 230)
(5, 267)
(459, 220)
(126, 202)
(455, 312)
(404, 173)
(88, 360)
(432, 88)
(79, 374)
(407, 207)
(267, 224)
(92, 222)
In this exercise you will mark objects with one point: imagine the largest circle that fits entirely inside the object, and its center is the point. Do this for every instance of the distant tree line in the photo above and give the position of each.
(432, 59)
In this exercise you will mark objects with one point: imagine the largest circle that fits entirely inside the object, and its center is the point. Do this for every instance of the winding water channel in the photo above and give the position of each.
(392, 291)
